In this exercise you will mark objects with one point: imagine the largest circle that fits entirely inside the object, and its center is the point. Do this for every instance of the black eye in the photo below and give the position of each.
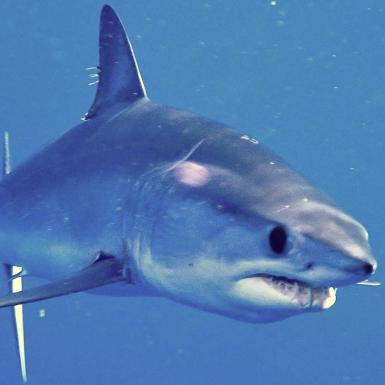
(278, 239)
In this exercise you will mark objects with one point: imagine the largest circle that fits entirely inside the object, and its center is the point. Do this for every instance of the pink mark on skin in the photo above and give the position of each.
(192, 174)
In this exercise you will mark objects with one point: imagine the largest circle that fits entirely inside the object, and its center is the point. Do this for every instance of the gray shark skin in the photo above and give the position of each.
(196, 211)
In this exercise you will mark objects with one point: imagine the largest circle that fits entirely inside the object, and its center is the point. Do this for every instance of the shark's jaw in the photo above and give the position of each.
(296, 292)
(211, 285)
(268, 298)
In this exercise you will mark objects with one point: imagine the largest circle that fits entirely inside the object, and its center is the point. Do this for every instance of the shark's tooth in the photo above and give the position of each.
(295, 289)
(330, 298)
(324, 298)
(304, 296)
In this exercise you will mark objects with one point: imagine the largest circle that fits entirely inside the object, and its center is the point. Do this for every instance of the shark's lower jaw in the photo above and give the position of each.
(300, 293)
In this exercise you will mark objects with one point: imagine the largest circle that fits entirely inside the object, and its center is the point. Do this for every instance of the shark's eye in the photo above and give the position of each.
(278, 239)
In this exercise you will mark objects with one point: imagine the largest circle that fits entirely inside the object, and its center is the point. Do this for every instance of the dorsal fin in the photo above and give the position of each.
(119, 76)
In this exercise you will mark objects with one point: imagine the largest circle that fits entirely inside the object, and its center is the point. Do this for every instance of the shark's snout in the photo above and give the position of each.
(360, 265)
(349, 271)
(362, 268)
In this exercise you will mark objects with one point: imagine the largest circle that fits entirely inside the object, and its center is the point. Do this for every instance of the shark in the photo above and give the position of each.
(141, 199)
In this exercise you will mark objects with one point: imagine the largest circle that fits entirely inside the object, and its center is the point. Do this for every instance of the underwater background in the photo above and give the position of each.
(305, 77)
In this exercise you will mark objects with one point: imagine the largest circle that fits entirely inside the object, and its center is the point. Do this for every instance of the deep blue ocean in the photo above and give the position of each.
(307, 78)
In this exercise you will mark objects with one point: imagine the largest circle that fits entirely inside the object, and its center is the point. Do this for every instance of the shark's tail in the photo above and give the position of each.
(13, 276)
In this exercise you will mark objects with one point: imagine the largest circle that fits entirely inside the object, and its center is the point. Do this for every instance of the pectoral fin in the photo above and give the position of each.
(102, 272)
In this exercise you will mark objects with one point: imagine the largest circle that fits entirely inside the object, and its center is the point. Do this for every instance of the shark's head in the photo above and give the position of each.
(250, 238)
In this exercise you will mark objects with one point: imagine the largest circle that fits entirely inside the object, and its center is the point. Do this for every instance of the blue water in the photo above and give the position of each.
(308, 79)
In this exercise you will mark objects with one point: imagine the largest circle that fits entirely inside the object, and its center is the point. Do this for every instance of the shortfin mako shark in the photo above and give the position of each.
(143, 199)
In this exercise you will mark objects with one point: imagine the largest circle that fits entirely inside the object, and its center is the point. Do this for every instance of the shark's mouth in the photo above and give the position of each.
(301, 293)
